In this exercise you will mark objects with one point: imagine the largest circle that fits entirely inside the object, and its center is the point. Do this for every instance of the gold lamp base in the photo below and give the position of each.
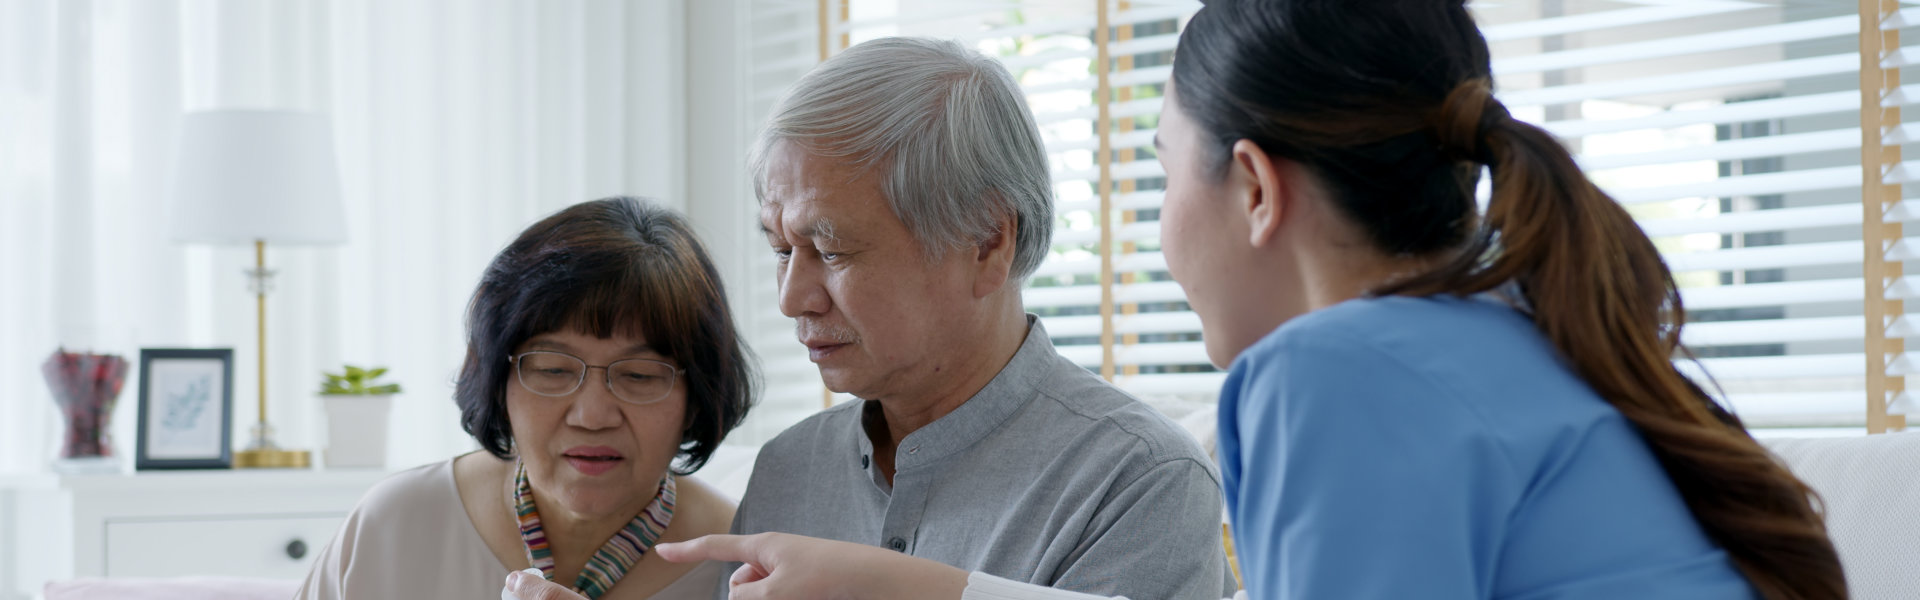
(272, 458)
(264, 454)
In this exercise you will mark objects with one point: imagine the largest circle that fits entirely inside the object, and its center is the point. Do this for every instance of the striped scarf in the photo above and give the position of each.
(615, 558)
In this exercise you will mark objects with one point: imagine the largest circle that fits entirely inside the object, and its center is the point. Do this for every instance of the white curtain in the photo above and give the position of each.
(456, 125)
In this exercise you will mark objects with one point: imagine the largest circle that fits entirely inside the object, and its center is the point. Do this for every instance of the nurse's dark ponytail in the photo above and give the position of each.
(1390, 103)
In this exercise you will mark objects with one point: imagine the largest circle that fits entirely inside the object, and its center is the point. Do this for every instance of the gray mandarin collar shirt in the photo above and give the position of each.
(1049, 475)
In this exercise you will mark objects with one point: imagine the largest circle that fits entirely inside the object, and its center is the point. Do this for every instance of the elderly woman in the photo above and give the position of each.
(599, 350)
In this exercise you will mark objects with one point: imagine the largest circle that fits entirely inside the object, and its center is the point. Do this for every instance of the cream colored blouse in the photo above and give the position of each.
(410, 538)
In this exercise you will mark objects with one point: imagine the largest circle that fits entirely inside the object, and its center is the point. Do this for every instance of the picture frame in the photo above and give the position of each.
(186, 409)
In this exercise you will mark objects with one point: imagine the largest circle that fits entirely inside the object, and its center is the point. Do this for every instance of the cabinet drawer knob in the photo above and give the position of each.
(296, 549)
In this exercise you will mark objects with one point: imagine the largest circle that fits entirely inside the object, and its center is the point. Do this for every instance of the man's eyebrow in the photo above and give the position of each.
(769, 211)
(820, 227)
(1156, 141)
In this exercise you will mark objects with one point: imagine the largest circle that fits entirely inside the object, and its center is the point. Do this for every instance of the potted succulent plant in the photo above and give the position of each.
(357, 414)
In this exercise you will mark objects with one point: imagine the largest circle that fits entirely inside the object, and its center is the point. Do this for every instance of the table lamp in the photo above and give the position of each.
(257, 176)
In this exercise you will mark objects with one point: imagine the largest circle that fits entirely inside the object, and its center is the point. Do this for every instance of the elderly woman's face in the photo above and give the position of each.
(589, 452)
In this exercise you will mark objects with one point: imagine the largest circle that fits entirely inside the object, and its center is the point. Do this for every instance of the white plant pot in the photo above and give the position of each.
(357, 430)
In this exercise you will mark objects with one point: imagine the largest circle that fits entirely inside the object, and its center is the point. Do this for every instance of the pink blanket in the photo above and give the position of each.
(176, 588)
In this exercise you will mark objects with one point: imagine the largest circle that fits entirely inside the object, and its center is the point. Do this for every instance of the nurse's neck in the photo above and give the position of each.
(1320, 258)
(1305, 257)
(1330, 278)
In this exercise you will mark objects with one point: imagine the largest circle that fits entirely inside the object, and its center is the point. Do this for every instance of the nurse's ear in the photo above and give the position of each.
(1261, 188)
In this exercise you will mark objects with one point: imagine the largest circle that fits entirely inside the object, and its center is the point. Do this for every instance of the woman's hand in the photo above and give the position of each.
(532, 587)
(791, 567)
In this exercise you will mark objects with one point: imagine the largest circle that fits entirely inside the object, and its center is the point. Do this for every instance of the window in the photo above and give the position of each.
(1730, 129)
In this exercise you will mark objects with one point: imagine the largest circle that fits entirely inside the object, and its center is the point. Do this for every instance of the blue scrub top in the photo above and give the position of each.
(1438, 448)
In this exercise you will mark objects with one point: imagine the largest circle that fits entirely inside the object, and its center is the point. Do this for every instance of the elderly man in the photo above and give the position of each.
(905, 190)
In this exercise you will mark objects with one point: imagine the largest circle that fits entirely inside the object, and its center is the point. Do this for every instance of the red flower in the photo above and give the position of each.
(85, 387)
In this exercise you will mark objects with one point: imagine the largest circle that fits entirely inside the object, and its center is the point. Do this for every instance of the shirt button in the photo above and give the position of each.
(897, 544)
(863, 461)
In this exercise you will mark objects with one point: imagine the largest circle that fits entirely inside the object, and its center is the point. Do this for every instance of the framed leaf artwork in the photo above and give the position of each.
(186, 409)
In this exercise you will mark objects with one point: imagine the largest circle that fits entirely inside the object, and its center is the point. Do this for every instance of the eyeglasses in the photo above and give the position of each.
(634, 381)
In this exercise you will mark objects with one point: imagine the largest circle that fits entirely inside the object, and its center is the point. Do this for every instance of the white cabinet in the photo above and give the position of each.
(251, 523)
(276, 547)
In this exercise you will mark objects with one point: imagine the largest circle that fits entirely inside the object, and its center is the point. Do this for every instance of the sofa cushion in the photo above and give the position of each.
(1870, 487)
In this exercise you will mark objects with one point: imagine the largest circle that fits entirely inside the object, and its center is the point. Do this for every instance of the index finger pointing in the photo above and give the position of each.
(720, 547)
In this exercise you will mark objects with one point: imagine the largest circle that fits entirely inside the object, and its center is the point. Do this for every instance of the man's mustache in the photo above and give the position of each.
(816, 332)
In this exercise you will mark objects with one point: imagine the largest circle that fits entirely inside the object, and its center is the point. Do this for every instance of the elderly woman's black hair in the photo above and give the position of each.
(614, 265)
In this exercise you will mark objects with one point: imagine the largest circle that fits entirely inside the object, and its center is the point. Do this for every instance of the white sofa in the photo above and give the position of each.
(1870, 487)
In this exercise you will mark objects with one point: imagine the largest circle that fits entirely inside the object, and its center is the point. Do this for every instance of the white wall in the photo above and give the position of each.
(457, 124)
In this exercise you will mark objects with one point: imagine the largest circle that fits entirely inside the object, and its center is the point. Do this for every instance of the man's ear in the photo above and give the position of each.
(1261, 190)
(993, 258)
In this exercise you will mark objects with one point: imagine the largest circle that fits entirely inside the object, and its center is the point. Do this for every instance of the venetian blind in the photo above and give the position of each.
(1730, 129)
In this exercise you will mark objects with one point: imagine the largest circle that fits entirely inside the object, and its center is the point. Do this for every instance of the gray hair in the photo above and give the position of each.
(963, 148)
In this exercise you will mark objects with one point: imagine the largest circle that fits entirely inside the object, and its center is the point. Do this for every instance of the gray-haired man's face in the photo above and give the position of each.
(878, 318)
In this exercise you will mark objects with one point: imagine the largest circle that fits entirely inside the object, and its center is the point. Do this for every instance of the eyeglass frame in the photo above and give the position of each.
(607, 376)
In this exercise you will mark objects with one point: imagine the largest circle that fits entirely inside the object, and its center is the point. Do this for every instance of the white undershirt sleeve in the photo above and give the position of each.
(981, 586)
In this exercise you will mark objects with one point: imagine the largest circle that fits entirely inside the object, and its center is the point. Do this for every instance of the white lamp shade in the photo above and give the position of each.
(246, 175)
